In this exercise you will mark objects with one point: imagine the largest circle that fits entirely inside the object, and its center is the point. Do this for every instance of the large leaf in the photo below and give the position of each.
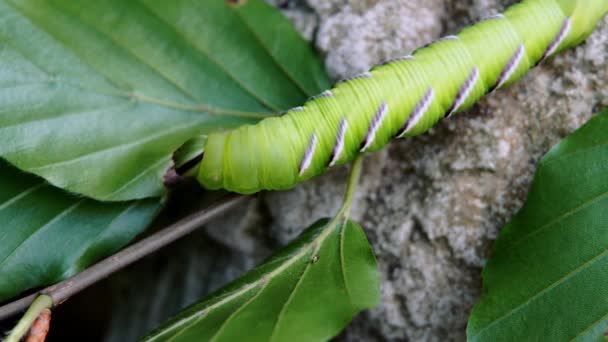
(547, 279)
(47, 235)
(308, 292)
(96, 95)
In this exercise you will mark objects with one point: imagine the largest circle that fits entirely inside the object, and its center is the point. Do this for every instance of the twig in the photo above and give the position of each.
(62, 291)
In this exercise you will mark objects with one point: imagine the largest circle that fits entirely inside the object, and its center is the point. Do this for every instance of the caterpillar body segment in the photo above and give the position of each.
(401, 98)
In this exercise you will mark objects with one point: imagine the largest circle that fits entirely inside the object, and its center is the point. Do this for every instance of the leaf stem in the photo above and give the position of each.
(41, 303)
(344, 212)
(351, 187)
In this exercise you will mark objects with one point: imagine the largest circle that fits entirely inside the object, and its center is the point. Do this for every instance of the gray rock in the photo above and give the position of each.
(432, 205)
(355, 35)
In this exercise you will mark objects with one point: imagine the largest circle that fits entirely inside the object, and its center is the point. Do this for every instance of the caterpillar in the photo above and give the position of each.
(400, 98)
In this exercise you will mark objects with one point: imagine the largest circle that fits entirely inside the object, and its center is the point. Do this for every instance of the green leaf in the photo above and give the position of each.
(308, 292)
(96, 95)
(547, 278)
(189, 151)
(48, 235)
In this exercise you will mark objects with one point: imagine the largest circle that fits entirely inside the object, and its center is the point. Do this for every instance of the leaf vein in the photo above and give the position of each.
(21, 195)
(599, 320)
(131, 144)
(136, 177)
(544, 291)
(72, 270)
(285, 305)
(197, 317)
(54, 220)
(120, 91)
(66, 114)
(558, 219)
(235, 312)
(206, 53)
(343, 263)
(131, 53)
(266, 49)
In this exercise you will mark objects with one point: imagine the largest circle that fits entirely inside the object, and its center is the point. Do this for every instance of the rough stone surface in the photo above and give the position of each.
(355, 35)
(431, 205)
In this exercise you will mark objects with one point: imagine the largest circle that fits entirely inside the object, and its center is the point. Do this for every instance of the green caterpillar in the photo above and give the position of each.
(400, 98)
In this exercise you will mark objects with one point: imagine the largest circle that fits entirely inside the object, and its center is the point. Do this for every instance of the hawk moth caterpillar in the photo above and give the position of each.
(400, 98)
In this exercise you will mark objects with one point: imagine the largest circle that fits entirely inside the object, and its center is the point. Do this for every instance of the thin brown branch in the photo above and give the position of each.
(62, 291)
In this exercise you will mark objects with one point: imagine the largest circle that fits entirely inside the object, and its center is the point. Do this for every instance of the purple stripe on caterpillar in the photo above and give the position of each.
(308, 154)
(294, 109)
(363, 75)
(397, 59)
(447, 38)
(338, 150)
(464, 92)
(374, 126)
(442, 39)
(498, 16)
(557, 41)
(510, 68)
(324, 94)
(419, 110)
